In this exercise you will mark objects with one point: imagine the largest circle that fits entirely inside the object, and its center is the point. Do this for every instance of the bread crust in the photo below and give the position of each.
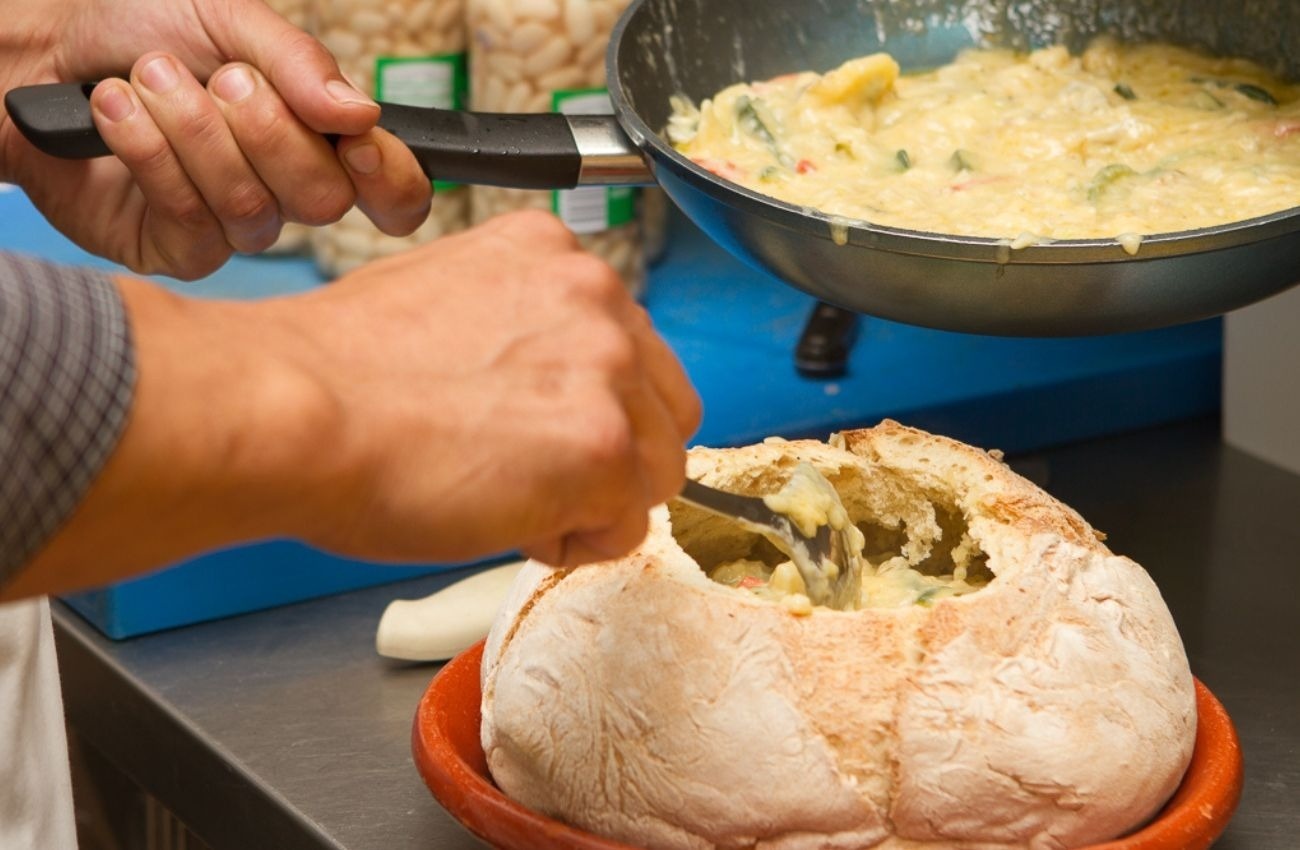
(642, 701)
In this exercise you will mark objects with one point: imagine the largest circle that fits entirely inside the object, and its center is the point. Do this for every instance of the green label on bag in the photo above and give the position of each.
(440, 81)
(593, 208)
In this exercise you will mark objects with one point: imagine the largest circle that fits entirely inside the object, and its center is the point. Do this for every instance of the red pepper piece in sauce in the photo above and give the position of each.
(727, 169)
(1283, 129)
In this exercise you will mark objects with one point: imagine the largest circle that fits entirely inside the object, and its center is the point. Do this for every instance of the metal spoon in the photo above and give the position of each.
(827, 561)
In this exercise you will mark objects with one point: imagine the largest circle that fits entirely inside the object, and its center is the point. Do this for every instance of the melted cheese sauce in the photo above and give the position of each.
(1118, 142)
(810, 501)
(892, 583)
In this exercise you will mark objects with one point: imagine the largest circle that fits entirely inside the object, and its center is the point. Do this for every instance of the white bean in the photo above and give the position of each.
(606, 14)
(580, 21)
(486, 37)
(448, 17)
(568, 77)
(539, 102)
(343, 44)
(592, 51)
(420, 14)
(491, 95)
(507, 66)
(294, 11)
(526, 38)
(368, 22)
(517, 97)
(548, 57)
(542, 10)
(499, 13)
(405, 47)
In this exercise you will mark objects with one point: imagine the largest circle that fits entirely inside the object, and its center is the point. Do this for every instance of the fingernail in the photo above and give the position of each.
(344, 93)
(115, 104)
(363, 159)
(159, 75)
(233, 84)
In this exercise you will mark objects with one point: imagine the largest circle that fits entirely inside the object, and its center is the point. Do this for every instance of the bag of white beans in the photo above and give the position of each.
(410, 52)
(549, 56)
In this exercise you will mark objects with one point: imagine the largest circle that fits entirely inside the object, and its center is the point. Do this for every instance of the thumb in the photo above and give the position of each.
(298, 66)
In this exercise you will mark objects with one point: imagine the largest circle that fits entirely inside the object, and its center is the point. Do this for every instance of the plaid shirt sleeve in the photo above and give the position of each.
(66, 377)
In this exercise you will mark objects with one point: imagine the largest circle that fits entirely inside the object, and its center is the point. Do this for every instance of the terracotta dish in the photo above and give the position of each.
(447, 751)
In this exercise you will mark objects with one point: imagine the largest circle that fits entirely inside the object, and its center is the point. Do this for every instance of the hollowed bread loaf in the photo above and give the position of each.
(1051, 708)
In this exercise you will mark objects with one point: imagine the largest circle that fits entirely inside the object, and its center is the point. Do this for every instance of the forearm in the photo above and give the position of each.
(227, 440)
(496, 390)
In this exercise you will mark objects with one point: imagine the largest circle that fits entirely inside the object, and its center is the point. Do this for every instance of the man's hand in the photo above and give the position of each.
(505, 391)
(494, 390)
(203, 169)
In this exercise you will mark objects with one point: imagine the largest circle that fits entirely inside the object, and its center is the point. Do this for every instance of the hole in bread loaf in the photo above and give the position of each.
(954, 552)
(916, 563)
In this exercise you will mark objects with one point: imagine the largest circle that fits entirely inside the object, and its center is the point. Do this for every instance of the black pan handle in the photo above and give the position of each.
(542, 151)
(56, 119)
(471, 147)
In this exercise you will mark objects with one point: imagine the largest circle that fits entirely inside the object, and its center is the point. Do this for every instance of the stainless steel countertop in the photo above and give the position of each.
(284, 730)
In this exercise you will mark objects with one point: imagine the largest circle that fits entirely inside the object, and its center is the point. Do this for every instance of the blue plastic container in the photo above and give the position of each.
(232, 581)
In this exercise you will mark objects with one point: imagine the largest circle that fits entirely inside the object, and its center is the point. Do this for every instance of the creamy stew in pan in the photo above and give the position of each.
(1120, 141)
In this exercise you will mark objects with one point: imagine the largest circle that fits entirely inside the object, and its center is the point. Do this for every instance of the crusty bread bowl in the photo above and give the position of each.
(1051, 708)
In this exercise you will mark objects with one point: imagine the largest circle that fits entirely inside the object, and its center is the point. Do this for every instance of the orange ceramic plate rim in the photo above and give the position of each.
(446, 745)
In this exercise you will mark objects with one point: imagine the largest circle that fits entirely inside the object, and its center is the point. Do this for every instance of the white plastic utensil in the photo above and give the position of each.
(444, 624)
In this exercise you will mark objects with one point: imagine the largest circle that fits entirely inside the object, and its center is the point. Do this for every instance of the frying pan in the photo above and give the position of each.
(972, 284)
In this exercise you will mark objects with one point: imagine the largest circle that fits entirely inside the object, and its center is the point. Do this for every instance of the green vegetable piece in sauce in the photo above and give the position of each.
(769, 174)
(1124, 91)
(1106, 178)
(1255, 93)
(961, 161)
(748, 118)
(1250, 90)
(1204, 100)
(751, 122)
(904, 161)
(927, 597)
